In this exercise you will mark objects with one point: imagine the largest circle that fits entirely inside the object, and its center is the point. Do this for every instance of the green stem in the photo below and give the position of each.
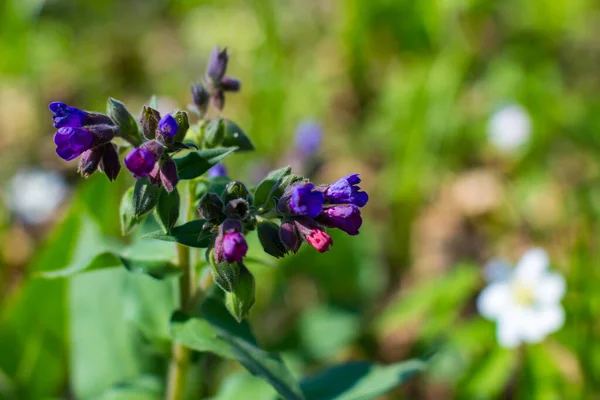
(180, 358)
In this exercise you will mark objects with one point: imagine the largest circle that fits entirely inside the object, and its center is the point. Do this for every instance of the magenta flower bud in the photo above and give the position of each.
(71, 142)
(346, 191)
(168, 174)
(140, 162)
(344, 217)
(305, 201)
(289, 235)
(167, 126)
(230, 244)
(217, 64)
(313, 234)
(66, 116)
(110, 164)
(217, 170)
(230, 84)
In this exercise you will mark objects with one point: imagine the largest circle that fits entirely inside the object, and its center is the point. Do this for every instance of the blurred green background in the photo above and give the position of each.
(404, 91)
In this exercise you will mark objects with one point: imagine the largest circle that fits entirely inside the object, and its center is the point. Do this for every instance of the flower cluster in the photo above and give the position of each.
(86, 134)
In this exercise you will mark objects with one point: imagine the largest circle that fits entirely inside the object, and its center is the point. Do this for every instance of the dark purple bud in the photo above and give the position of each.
(149, 121)
(289, 235)
(210, 206)
(71, 142)
(217, 170)
(140, 162)
(89, 161)
(168, 174)
(308, 138)
(66, 116)
(217, 64)
(237, 208)
(103, 133)
(344, 217)
(168, 126)
(201, 97)
(110, 163)
(230, 84)
(305, 201)
(313, 234)
(346, 191)
(155, 147)
(218, 99)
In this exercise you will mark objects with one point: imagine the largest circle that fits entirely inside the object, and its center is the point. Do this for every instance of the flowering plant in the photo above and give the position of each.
(173, 160)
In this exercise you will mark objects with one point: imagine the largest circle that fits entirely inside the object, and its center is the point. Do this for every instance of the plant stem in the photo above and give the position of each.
(180, 358)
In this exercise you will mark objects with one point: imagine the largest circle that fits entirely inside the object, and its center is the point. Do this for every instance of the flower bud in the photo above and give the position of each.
(210, 206)
(183, 124)
(268, 234)
(167, 126)
(110, 163)
(313, 234)
(230, 84)
(66, 116)
(149, 121)
(230, 244)
(235, 190)
(237, 209)
(344, 217)
(140, 162)
(168, 174)
(242, 297)
(201, 98)
(289, 235)
(217, 64)
(71, 142)
(89, 161)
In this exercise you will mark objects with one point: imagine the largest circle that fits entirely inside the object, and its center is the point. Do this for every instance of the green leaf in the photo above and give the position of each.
(128, 127)
(198, 162)
(241, 299)
(158, 269)
(225, 275)
(235, 136)
(214, 329)
(145, 197)
(242, 385)
(358, 380)
(191, 234)
(268, 234)
(127, 214)
(264, 188)
(141, 388)
(167, 209)
(214, 133)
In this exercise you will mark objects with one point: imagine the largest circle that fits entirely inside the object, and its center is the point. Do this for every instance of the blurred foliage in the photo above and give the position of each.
(404, 90)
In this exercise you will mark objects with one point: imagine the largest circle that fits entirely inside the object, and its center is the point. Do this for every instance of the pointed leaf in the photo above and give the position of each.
(235, 136)
(145, 197)
(128, 127)
(167, 209)
(225, 275)
(261, 194)
(191, 234)
(198, 162)
(127, 213)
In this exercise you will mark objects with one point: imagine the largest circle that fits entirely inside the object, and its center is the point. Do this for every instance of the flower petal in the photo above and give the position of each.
(508, 332)
(494, 300)
(532, 265)
(550, 289)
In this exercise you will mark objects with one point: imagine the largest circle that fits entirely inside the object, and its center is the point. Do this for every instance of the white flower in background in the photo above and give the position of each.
(34, 195)
(525, 301)
(509, 127)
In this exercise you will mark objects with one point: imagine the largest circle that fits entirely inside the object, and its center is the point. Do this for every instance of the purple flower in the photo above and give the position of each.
(308, 138)
(344, 217)
(140, 162)
(105, 157)
(168, 126)
(217, 82)
(234, 247)
(230, 84)
(346, 191)
(71, 142)
(66, 116)
(217, 170)
(305, 201)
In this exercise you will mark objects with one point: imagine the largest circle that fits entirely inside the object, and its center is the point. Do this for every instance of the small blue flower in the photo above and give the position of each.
(168, 126)
(217, 170)
(305, 201)
(140, 162)
(66, 116)
(71, 142)
(308, 138)
(346, 191)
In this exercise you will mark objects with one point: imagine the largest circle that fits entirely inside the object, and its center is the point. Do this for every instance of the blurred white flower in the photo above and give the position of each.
(34, 195)
(509, 127)
(525, 303)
